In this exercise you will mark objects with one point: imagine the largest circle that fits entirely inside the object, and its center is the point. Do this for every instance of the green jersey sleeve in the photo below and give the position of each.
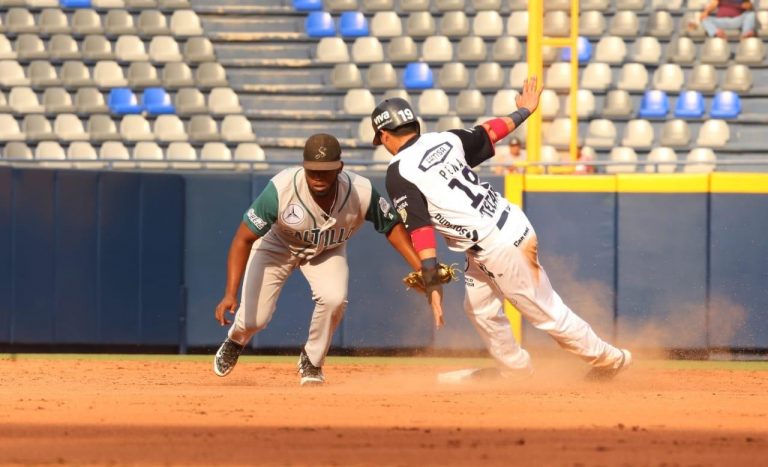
(380, 213)
(263, 212)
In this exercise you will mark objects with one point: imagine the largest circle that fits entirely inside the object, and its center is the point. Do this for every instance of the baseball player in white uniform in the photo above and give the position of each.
(433, 187)
(302, 220)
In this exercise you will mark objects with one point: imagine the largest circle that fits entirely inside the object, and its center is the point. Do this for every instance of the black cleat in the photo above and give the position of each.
(608, 373)
(311, 375)
(226, 357)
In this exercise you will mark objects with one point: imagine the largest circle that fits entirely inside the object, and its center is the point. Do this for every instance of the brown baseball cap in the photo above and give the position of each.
(322, 152)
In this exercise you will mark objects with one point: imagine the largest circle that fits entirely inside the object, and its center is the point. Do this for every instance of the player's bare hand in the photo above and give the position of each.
(529, 98)
(226, 305)
(436, 302)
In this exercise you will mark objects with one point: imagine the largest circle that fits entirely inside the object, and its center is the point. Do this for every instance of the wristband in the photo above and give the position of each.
(430, 277)
(519, 116)
(499, 128)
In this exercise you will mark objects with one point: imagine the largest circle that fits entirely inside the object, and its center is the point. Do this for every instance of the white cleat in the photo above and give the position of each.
(608, 373)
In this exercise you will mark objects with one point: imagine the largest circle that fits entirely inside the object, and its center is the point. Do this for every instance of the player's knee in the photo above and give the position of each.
(336, 302)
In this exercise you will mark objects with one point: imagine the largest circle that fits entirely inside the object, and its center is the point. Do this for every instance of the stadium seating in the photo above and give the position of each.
(655, 104)
(726, 104)
(123, 101)
(157, 101)
(690, 104)
(320, 24)
(418, 76)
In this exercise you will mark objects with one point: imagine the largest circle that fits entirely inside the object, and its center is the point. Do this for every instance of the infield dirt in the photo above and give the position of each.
(177, 412)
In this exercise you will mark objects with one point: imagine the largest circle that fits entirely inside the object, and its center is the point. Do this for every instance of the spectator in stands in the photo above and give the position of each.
(585, 154)
(513, 159)
(730, 14)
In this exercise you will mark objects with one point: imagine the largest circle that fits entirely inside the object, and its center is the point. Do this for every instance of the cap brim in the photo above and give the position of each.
(377, 139)
(331, 165)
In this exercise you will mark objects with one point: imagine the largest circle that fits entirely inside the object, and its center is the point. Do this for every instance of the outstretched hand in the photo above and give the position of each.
(529, 98)
(226, 305)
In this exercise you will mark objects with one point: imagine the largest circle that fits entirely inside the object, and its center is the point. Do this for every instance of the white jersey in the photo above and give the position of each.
(430, 181)
(288, 219)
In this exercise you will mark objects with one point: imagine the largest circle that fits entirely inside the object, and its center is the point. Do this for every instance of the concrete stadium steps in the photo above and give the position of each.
(234, 54)
(251, 6)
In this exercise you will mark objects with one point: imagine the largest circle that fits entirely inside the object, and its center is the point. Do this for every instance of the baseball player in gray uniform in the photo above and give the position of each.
(302, 220)
(433, 187)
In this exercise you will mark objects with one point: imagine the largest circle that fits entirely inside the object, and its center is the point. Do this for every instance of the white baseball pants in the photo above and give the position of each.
(265, 275)
(505, 270)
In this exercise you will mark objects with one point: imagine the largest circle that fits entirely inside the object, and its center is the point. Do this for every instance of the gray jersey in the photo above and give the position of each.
(287, 217)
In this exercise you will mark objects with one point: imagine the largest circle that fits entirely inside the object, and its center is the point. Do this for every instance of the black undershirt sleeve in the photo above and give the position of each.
(477, 145)
(407, 199)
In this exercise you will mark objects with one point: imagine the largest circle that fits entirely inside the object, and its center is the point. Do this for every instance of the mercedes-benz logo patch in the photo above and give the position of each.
(293, 214)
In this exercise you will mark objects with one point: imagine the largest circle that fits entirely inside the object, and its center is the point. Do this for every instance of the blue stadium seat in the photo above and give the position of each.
(156, 101)
(585, 51)
(690, 104)
(418, 76)
(726, 104)
(308, 5)
(75, 3)
(319, 24)
(353, 24)
(655, 104)
(123, 101)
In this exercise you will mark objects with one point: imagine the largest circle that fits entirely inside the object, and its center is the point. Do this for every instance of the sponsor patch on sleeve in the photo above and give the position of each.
(257, 221)
(385, 208)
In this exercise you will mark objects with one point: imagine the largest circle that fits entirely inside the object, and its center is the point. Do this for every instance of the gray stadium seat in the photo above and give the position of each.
(365, 131)
(166, 5)
(367, 50)
(381, 76)
(190, 101)
(453, 76)
(400, 93)
(75, 74)
(449, 5)
(624, 24)
(622, 154)
(108, 74)
(81, 150)
(40, 4)
(414, 5)
(558, 76)
(23, 100)
(118, 23)
(223, 101)
(633, 77)
(10, 130)
(30, 47)
(4, 107)
(550, 54)
(585, 104)
(249, 152)
(386, 24)
(97, 48)
(185, 23)
(470, 103)
(750, 51)
(503, 102)
(471, 49)
(17, 150)
(480, 5)
(178, 75)
(57, 100)
(200, 49)
(618, 103)
(216, 152)
(611, 50)
(12, 74)
(359, 102)
(549, 105)
(346, 76)
(661, 160)
(489, 76)
(42, 74)
(638, 134)
(142, 75)
(63, 47)
(50, 150)
(135, 128)
(517, 4)
(646, 50)
(69, 127)
(591, 23)
(181, 151)
(518, 74)
(660, 24)
(152, 23)
(762, 23)
(556, 5)
(20, 21)
(692, 18)
(488, 24)
(433, 102)
(107, 4)
(90, 101)
(402, 49)
(6, 49)
(437, 49)
(164, 49)
(86, 22)
(37, 128)
(203, 128)
(714, 134)
(237, 129)
(601, 133)
(210, 75)
(705, 161)
(559, 134)
(596, 76)
(114, 150)
(147, 151)
(169, 128)
(138, 5)
(370, 6)
(102, 128)
(338, 6)
(737, 78)
(668, 77)
(53, 21)
(675, 133)
(681, 50)
(517, 24)
(557, 24)
(716, 51)
(454, 24)
(331, 50)
(703, 78)
(507, 49)
(420, 24)
(632, 5)
(130, 49)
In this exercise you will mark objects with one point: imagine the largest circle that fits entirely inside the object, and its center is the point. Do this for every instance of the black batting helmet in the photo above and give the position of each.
(391, 114)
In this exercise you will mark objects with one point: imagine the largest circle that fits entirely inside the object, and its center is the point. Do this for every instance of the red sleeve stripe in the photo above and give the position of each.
(423, 238)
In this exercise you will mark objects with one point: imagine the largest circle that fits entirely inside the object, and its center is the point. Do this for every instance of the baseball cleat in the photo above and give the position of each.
(226, 357)
(311, 375)
(608, 373)
(484, 374)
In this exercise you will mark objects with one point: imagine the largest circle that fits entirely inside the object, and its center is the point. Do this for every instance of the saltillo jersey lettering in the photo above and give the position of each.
(285, 216)
(431, 182)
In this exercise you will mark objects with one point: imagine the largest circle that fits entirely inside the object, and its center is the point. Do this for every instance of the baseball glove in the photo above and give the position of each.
(445, 274)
